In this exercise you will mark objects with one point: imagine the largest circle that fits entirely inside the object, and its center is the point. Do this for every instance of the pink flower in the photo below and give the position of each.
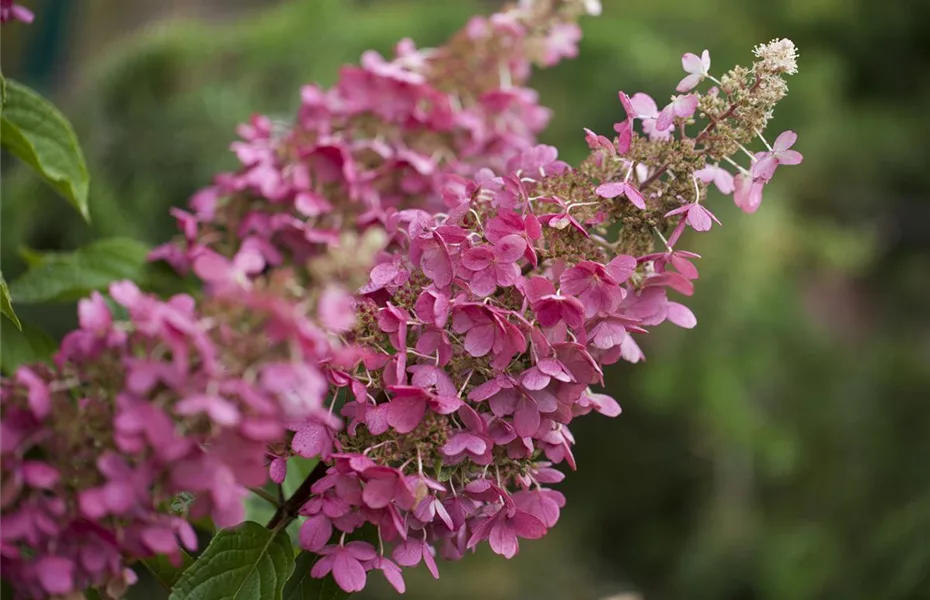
(561, 42)
(411, 552)
(550, 307)
(766, 162)
(697, 216)
(591, 283)
(504, 529)
(747, 193)
(722, 178)
(494, 266)
(409, 404)
(14, 12)
(697, 68)
(681, 107)
(345, 563)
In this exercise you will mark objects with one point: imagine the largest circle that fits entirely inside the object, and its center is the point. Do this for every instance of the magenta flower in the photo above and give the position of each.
(504, 529)
(345, 563)
(409, 404)
(594, 286)
(494, 266)
(697, 68)
(780, 154)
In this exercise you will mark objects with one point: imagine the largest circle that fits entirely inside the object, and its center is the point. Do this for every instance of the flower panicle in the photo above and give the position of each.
(484, 289)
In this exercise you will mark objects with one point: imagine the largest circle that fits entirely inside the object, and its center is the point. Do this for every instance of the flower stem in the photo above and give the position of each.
(265, 496)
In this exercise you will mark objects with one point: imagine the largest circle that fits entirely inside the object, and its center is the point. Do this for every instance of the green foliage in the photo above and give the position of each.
(25, 346)
(164, 571)
(301, 586)
(6, 307)
(36, 132)
(244, 563)
(62, 276)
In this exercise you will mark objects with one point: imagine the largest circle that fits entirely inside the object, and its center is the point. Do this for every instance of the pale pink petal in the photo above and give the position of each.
(610, 190)
(790, 157)
(681, 315)
(689, 82)
(784, 141)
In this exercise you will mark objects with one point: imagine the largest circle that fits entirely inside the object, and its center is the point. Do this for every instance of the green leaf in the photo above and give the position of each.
(243, 563)
(67, 276)
(36, 132)
(28, 346)
(301, 586)
(6, 307)
(164, 571)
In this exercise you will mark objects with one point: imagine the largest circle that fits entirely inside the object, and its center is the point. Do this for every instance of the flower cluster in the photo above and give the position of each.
(494, 283)
(10, 11)
(176, 400)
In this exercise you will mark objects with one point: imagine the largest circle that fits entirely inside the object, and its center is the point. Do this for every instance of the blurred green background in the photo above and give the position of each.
(778, 451)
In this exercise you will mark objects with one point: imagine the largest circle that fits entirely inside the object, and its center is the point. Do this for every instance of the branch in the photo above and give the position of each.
(289, 511)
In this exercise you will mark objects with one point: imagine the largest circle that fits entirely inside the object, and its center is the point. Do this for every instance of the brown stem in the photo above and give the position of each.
(289, 511)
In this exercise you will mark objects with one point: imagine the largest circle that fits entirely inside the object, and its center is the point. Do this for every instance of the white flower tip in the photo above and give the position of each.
(780, 55)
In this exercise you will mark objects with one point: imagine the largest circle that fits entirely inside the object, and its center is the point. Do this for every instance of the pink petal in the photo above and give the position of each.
(635, 197)
(479, 340)
(526, 418)
(477, 259)
(790, 157)
(311, 439)
(698, 219)
(765, 167)
(681, 315)
(315, 532)
(510, 248)
(278, 470)
(405, 414)
(784, 141)
(348, 572)
(691, 63)
(664, 121)
(689, 82)
(684, 106)
(605, 404)
(610, 190)
(56, 574)
(393, 575)
(159, 540)
(644, 106)
(527, 526)
(361, 550)
(503, 540)
(621, 267)
(39, 474)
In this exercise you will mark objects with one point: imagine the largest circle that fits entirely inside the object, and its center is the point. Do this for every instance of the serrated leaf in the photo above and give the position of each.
(164, 571)
(242, 563)
(301, 586)
(35, 131)
(6, 306)
(28, 346)
(67, 276)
